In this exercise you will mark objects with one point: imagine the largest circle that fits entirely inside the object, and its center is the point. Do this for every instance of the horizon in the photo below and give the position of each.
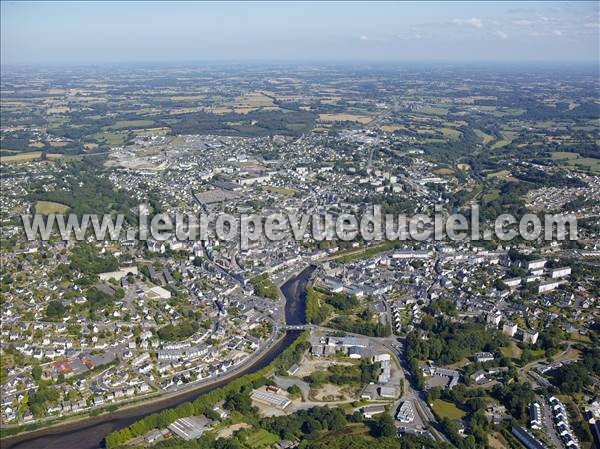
(79, 33)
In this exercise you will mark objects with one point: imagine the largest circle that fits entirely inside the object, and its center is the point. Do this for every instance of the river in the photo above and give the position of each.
(89, 433)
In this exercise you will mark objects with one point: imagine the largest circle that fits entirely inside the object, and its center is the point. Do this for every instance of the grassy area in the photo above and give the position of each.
(344, 118)
(50, 207)
(500, 143)
(451, 133)
(573, 160)
(561, 155)
(280, 190)
(458, 365)
(126, 124)
(114, 138)
(358, 429)
(491, 195)
(485, 137)
(576, 336)
(261, 438)
(29, 156)
(391, 128)
(504, 175)
(446, 409)
(497, 441)
(430, 110)
(21, 157)
(363, 253)
(512, 351)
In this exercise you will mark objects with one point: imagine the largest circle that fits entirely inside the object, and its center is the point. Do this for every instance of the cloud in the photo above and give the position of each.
(501, 34)
(364, 38)
(523, 22)
(557, 33)
(473, 22)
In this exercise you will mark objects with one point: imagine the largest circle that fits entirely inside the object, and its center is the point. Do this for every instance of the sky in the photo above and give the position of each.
(110, 32)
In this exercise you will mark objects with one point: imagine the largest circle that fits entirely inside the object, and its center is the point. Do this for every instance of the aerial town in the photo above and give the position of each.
(312, 342)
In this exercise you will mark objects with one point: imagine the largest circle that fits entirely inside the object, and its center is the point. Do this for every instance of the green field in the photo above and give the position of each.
(126, 124)
(573, 160)
(485, 138)
(446, 409)
(451, 133)
(50, 207)
(430, 110)
(562, 155)
(29, 156)
(512, 351)
(261, 439)
(114, 139)
(500, 143)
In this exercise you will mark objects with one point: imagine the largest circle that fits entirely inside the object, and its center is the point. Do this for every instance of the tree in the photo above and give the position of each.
(384, 426)
(239, 402)
(55, 310)
(295, 391)
(36, 372)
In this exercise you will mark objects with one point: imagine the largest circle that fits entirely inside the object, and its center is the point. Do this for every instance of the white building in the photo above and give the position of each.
(560, 272)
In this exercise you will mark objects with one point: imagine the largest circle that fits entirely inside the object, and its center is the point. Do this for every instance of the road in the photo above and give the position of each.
(548, 422)
(416, 397)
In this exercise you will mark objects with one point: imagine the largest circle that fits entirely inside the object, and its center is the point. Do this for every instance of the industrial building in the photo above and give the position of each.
(271, 399)
(191, 427)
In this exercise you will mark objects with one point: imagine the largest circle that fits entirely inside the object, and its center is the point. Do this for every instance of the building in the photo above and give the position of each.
(482, 357)
(410, 254)
(159, 293)
(387, 392)
(548, 286)
(270, 399)
(293, 369)
(560, 272)
(512, 282)
(535, 416)
(191, 427)
(494, 318)
(478, 376)
(535, 264)
(525, 438)
(509, 329)
(406, 412)
(530, 336)
(372, 410)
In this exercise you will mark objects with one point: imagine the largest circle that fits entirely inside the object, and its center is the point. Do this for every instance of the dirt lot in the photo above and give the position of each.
(228, 431)
(330, 393)
(311, 365)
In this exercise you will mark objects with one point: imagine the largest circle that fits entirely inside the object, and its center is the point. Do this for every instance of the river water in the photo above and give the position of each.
(90, 432)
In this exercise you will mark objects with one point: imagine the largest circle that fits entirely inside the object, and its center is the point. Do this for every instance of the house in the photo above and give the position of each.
(482, 357)
(293, 369)
(478, 376)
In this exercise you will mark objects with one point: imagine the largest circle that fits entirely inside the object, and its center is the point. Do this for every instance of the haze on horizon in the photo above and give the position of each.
(107, 32)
